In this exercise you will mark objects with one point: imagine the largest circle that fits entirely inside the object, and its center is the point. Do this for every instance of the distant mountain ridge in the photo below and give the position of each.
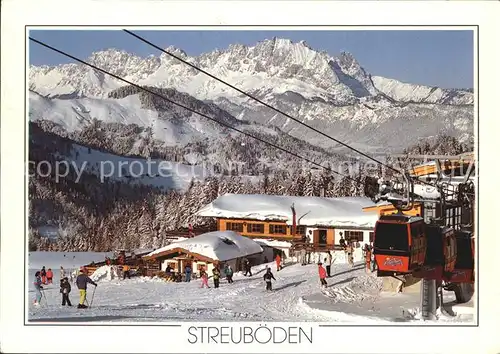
(340, 79)
(333, 94)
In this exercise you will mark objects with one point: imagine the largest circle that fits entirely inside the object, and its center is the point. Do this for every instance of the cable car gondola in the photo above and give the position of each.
(463, 271)
(441, 253)
(399, 244)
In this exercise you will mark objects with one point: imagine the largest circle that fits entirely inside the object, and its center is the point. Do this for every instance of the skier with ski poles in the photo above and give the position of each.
(81, 282)
(38, 287)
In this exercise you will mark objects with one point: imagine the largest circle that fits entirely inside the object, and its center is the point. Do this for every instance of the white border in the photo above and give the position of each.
(17, 13)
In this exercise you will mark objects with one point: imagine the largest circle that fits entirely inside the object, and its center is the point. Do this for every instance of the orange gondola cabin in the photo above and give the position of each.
(463, 271)
(399, 244)
(441, 253)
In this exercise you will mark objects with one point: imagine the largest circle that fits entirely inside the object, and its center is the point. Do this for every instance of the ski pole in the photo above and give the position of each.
(45, 297)
(92, 300)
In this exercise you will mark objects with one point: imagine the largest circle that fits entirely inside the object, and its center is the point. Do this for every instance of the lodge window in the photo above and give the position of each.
(277, 229)
(372, 236)
(234, 226)
(255, 228)
(301, 230)
(354, 236)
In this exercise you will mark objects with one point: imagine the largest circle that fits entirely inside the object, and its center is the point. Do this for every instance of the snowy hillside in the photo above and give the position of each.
(334, 94)
(73, 114)
(156, 173)
(138, 123)
(166, 175)
(352, 297)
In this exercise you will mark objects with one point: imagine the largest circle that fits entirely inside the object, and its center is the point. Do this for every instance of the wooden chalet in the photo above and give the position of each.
(314, 223)
(204, 251)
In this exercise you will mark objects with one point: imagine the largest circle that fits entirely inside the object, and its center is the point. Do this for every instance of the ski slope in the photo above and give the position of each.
(352, 297)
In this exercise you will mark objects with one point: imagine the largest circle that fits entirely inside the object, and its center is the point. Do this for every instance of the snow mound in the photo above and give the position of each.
(104, 273)
(358, 289)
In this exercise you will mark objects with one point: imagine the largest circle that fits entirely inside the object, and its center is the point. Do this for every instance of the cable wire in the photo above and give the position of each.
(191, 110)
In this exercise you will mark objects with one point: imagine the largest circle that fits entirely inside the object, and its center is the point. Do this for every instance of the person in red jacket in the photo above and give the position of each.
(278, 262)
(322, 274)
(50, 275)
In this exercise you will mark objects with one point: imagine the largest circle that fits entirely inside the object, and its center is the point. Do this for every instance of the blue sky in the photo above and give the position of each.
(435, 58)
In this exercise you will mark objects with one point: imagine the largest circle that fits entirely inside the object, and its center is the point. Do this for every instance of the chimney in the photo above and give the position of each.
(294, 220)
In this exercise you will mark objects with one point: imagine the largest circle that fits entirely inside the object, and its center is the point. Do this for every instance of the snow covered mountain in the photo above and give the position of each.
(133, 123)
(333, 94)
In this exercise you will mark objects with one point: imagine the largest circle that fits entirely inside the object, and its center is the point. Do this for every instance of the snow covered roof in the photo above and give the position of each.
(216, 245)
(274, 243)
(345, 211)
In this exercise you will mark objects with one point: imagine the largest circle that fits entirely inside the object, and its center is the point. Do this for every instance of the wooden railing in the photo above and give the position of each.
(314, 247)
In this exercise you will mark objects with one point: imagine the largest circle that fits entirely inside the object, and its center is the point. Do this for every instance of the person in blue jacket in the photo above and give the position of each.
(188, 272)
(81, 282)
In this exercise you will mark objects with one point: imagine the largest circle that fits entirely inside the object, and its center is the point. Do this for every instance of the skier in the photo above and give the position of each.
(278, 262)
(50, 275)
(229, 273)
(322, 275)
(267, 278)
(81, 282)
(328, 261)
(43, 273)
(204, 278)
(65, 290)
(38, 287)
(188, 271)
(216, 275)
(248, 267)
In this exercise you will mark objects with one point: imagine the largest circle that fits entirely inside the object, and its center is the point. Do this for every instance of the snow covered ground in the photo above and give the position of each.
(352, 297)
